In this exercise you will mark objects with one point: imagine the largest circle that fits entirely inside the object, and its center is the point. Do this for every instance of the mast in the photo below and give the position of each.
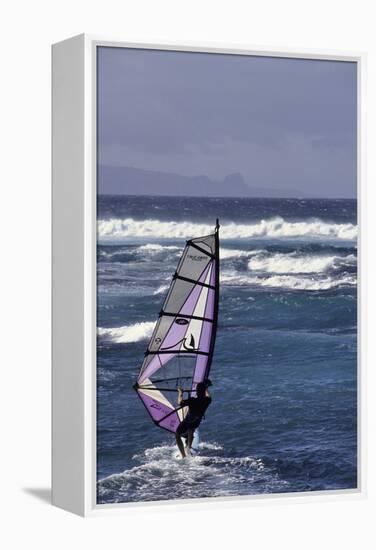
(216, 299)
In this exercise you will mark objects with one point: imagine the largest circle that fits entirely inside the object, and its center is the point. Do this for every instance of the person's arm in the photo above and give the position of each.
(181, 401)
(180, 395)
(207, 393)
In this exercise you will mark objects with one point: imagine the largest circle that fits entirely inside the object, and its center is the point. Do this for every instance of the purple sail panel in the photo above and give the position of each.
(202, 360)
(209, 310)
(171, 422)
(206, 332)
(200, 369)
(157, 410)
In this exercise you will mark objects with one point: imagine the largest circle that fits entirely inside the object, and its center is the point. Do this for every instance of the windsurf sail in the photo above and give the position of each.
(181, 348)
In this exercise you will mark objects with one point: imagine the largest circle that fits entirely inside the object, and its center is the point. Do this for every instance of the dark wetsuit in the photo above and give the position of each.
(196, 410)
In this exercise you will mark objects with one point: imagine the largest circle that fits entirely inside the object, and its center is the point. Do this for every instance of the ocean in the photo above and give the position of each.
(284, 411)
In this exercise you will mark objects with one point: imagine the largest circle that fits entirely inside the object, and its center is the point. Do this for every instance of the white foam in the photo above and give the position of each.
(229, 253)
(161, 290)
(272, 228)
(300, 283)
(210, 446)
(291, 263)
(156, 248)
(168, 451)
(106, 254)
(160, 475)
(127, 334)
(287, 281)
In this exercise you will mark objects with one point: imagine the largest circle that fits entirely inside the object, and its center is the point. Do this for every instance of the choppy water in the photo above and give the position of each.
(283, 416)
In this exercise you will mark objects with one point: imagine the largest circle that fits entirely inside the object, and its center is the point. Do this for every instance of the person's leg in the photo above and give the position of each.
(190, 438)
(180, 444)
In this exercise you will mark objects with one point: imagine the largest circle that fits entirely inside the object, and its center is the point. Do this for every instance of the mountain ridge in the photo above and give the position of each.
(127, 180)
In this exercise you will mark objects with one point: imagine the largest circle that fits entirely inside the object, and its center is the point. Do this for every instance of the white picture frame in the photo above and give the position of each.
(74, 273)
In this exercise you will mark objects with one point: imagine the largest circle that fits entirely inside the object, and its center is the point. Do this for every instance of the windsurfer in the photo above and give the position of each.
(196, 410)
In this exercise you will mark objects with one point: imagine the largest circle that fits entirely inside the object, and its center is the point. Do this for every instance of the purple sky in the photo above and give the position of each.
(281, 123)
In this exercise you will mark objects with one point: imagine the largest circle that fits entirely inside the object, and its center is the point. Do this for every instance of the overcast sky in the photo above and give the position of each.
(281, 123)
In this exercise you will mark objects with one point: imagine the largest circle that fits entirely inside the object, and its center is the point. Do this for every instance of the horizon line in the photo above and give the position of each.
(225, 197)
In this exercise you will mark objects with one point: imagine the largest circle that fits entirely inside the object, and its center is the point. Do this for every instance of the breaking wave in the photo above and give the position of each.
(290, 282)
(116, 228)
(161, 290)
(291, 263)
(229, 253)
(150, 248)
(127, 334)
(156, 248)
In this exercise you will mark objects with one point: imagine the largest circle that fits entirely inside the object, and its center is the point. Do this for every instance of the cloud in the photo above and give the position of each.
(214, 114)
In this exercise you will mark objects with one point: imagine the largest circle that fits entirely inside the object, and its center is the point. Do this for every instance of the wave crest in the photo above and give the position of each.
(273, 228)
(151, 247)
(289, 282)
(291, 263)
(161, 290)
(230, 253)
(127, 334)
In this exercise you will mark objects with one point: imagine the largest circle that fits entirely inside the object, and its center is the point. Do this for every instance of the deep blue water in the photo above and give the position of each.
(283, 417)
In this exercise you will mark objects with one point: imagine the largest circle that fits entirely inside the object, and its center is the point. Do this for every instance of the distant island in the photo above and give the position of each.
(126, 180)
